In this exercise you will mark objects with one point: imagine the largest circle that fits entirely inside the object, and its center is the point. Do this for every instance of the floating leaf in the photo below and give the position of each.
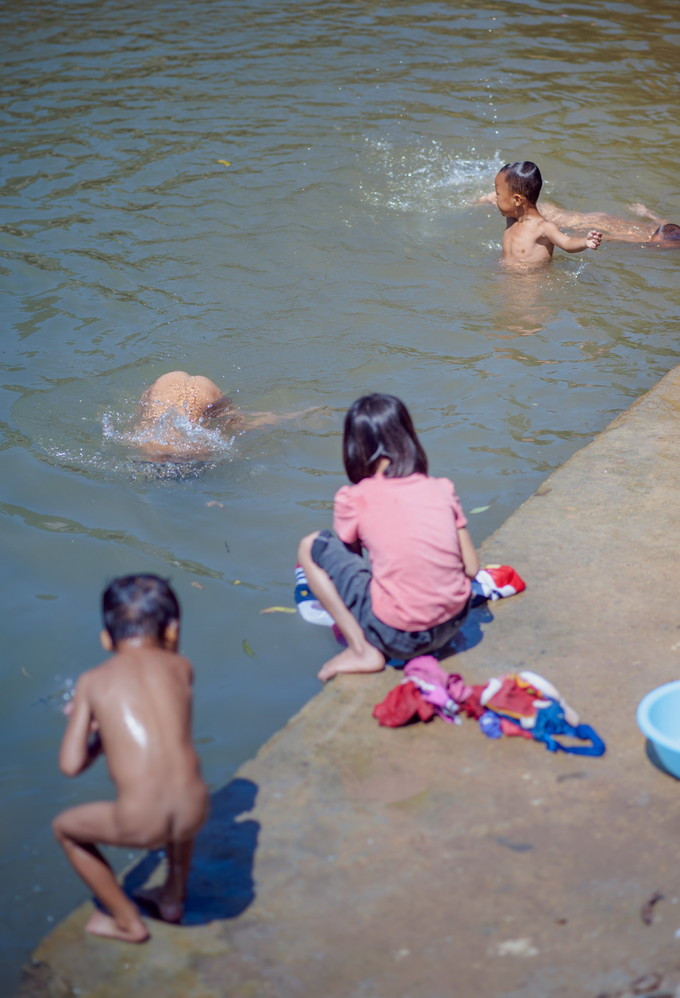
(247, 649)
(279, 609)
(197, 585)
(225, 162)
(479, 509)
(236, 582)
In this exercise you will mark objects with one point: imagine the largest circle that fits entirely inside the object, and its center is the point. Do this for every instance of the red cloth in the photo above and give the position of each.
(510, 728)
(471, 705)
(401, 705)
(505, 575)
(513, 699)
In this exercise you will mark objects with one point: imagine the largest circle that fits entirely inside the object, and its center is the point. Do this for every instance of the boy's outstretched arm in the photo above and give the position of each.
(81, 743)
(572, 244)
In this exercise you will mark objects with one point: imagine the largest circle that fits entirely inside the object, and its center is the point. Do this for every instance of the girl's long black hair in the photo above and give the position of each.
(378, 426)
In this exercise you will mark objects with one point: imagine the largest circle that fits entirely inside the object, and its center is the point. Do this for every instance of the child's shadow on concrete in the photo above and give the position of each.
(470, 632)
(221, 876)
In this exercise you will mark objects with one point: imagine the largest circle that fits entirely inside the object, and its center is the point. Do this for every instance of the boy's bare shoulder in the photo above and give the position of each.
(123, 668)
(546, 229)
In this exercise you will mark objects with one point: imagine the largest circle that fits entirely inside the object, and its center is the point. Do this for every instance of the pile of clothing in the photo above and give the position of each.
(522, 704)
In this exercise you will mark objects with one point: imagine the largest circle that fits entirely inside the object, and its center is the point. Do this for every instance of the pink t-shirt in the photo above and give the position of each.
(409, 526)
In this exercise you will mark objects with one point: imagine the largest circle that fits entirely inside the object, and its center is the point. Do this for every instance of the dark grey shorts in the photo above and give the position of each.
(351, 576)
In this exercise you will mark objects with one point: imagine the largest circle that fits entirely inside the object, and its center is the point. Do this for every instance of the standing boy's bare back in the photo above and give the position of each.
(136, 709)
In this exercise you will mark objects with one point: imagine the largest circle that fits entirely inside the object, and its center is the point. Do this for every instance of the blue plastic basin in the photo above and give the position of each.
(658, 717)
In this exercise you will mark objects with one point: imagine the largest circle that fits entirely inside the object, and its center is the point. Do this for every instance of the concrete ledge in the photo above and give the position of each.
(428, 861)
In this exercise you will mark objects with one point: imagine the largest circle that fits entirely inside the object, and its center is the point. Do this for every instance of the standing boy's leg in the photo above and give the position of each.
(168, 899)
(77, 830)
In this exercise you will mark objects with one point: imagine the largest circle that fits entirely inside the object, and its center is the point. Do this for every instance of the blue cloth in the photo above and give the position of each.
(490, 724)
(550, 721)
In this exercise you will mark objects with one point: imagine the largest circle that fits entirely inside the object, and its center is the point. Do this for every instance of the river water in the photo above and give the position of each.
(280, 195)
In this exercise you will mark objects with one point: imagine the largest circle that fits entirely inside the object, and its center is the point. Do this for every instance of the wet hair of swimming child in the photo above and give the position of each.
(523, 178)
(139, 606)
(668, 231)
(379, 426)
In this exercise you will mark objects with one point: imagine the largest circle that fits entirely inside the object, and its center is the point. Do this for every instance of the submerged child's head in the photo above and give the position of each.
(667, 233)
(140, 606)
(377, 427)
(520, 178)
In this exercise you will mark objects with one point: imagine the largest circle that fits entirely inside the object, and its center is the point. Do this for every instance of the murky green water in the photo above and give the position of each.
(338, 253)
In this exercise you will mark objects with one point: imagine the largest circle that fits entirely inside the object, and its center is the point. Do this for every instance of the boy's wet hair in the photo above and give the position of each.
(523, 178)
(138, 606)
(378, 426)
(668, 231)
(223, 406)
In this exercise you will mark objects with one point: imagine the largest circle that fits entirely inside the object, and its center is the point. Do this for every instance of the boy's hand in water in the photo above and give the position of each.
(593, 239)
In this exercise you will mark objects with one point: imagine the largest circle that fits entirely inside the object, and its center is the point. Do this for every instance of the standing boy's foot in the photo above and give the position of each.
(168, 908)
(101, 924)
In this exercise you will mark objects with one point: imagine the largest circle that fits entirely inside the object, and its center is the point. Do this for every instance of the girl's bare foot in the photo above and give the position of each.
(101, 924)
(167, 907)
(371, 660)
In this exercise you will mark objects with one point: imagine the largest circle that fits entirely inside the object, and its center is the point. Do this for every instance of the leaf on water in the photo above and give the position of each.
(479, 509)
(247, 649)
(197, 585)
(236, 582)
(225, 162)
(279, 609)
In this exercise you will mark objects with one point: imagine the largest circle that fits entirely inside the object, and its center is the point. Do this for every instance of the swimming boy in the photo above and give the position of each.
(176, 398)
(160, 432)
(665, 235)
(135, 708)
(530, 238)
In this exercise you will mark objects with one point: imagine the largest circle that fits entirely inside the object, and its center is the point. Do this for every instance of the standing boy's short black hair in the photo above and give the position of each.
(523, 178)
(138, 606)
(378, 426)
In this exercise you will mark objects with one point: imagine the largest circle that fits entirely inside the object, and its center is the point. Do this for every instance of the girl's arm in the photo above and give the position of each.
(467, 550)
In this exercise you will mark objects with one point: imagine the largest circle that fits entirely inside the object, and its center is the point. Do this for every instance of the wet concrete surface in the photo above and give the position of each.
(353, 861)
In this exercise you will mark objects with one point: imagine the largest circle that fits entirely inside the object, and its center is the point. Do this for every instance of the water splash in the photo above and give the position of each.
(425, 178)
(190, 447)
(61, 696)
(70, 433)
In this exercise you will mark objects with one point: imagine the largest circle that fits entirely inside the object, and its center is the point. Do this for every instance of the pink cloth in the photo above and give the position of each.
(409, 526)
(445, 690)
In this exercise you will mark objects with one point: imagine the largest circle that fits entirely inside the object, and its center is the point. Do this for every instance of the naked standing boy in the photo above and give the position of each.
(135, 708)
